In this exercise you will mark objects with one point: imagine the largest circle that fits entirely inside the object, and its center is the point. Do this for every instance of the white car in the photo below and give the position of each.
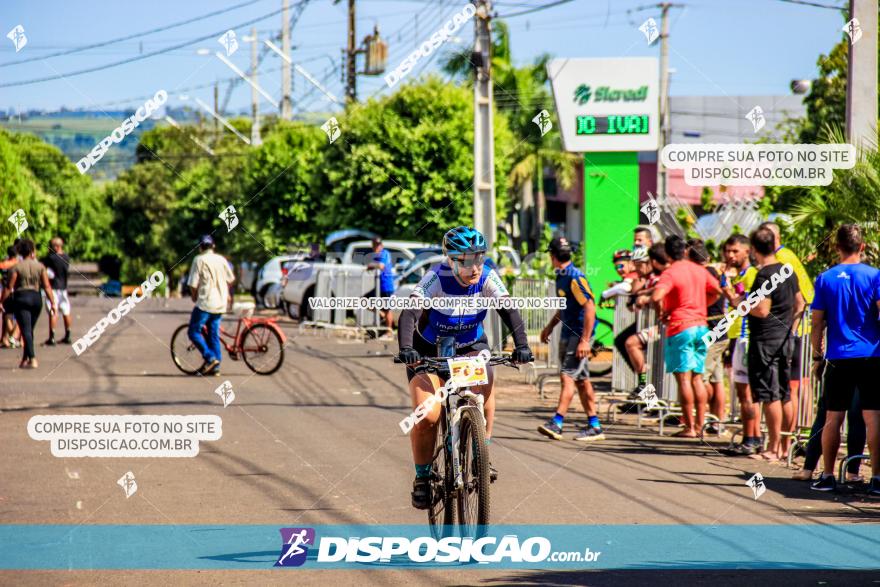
(271, 274)
(301, 278)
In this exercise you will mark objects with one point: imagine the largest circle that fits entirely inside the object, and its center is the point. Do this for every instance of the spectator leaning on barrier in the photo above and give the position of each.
(686, 290)
(577, 321)
(382, 262)
(58, 265)
(623, 265)
(735, 289)
(28, 277)
(209, 280)
(650, 264)
(805, 284)
(772, 331)
(643, 236)
(846, 304)
(697, 252)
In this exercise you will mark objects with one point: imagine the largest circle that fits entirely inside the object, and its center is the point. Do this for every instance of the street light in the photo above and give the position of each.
(801, 86)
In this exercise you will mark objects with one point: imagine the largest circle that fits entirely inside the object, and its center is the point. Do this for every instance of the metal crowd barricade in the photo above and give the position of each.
(622, 377)
(349, 283)
(546, 364)
(663, 382)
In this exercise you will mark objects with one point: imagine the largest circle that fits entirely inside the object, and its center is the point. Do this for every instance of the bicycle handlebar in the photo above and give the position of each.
(435, 363)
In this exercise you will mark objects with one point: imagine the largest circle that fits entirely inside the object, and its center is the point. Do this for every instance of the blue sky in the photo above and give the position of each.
(742, 47)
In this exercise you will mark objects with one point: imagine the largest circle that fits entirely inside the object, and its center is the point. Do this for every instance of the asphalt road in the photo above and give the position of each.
(319, 443)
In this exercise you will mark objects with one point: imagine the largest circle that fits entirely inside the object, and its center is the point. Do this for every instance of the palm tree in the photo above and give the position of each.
(521, 93)
(852, 197)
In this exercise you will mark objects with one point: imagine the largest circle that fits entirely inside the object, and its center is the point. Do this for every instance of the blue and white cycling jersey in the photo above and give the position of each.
(464, 324)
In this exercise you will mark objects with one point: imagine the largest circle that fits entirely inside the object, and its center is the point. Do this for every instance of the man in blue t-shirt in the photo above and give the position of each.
(846, 303)
(382, 262)
(577, 321)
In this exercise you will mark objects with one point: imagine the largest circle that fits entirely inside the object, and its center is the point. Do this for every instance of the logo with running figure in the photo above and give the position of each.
(294, 550)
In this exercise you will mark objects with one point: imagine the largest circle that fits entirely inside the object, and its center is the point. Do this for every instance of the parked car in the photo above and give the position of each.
(337, 241)
(301, 277)
(272, 273)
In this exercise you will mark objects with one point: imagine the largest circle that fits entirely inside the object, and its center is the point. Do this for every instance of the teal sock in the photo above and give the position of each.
(488, 441)
(423, 471)
(594, 422)
(558, 418)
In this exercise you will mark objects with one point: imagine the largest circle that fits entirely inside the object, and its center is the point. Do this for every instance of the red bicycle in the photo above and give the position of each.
(258, 341)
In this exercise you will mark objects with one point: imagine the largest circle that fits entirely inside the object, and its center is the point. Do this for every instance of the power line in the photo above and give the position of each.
(133, 36)
(537, 9)
(139, 57)
(815, 4)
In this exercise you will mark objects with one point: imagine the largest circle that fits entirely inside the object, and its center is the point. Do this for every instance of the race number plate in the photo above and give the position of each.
(467, 371)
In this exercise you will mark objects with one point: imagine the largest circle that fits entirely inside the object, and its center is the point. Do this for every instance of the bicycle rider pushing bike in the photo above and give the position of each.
(463, 274)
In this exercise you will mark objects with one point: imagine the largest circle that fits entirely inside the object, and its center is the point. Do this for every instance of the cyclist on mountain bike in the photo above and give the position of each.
(465, 273)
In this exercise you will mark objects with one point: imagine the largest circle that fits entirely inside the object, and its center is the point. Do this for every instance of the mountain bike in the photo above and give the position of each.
(258, 341)
(601, 348)
(460, 468)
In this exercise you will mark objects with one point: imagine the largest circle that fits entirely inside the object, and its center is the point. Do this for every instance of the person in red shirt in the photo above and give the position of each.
(686, 290)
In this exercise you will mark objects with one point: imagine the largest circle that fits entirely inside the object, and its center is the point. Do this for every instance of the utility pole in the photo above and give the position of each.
(351, 63)
(484, 142)
(861, 87)
(255, 101)
(664, 95)
(285, 67)
(216, 109)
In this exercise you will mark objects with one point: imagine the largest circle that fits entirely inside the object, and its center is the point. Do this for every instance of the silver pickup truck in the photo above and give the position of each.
(299, 283)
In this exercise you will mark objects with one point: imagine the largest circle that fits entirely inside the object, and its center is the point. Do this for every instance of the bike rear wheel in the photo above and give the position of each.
(473, 497)
(184, 353)
(262, 349)
(602, 349)
(441, 514)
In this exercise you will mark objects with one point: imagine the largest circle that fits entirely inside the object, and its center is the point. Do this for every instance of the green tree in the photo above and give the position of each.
(853, 197)
(56, 198)
(403, 164)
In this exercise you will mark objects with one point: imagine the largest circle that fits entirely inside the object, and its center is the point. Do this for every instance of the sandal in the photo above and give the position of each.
(684, 434)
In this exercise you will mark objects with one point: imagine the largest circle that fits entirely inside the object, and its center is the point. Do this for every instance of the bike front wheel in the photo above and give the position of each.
(441, 514)
(473, 497)
(184, 353)
(262, 349)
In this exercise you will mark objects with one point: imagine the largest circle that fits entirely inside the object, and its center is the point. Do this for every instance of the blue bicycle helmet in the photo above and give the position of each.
(463, 240)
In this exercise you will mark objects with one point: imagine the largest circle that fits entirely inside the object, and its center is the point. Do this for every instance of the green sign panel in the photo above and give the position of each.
(620, 124)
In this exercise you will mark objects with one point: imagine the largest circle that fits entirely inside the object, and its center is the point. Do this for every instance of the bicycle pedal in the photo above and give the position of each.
(233, 356)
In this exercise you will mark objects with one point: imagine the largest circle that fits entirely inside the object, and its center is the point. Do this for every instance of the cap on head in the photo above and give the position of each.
(463, 240)
(377, 240)
(559, 245)
(622, 255)
(206, 241)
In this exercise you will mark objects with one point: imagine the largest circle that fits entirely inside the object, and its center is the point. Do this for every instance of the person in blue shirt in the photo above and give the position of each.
(382, 262)
(846, 304)
(577, 320)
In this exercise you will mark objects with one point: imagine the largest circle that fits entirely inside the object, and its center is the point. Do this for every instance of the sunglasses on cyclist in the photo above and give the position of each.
(620, 266)
(470, 260)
